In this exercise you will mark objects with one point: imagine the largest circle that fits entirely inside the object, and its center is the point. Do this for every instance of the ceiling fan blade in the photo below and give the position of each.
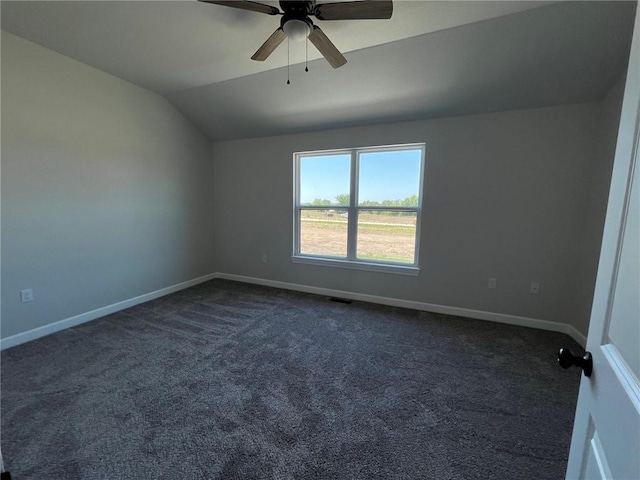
(326, 48)
(270, 45)
(360, 10)
(246, 5)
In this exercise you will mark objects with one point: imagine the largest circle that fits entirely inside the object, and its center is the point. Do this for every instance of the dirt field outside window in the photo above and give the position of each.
(381, 237)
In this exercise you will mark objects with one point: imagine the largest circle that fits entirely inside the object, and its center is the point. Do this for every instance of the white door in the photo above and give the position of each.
(606, 433)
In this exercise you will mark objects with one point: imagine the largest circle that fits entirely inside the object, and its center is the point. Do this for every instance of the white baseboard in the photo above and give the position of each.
(576, 335)
(428, 307)
(97, 313)
(394, 302)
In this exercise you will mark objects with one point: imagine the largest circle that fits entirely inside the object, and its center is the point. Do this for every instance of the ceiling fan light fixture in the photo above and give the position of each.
(296, 29)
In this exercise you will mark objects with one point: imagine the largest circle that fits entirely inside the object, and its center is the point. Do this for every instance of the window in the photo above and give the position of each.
(359, 208)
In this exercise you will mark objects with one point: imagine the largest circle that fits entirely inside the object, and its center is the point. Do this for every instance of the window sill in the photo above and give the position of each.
(372, 267)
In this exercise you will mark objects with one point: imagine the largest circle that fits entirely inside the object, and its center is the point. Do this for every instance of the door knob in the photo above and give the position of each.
(585, 362)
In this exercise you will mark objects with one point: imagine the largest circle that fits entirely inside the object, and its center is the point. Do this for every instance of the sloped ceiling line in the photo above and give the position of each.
(432, 59)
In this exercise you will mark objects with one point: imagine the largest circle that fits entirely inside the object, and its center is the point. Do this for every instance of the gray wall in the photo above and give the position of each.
(105, 189)
(598, 178)
(506, 196)
(109, 193)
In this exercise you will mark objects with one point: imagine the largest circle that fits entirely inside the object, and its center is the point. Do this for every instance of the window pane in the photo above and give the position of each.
(387, 236)
(390, 178)
(324, 179)
(323, 232)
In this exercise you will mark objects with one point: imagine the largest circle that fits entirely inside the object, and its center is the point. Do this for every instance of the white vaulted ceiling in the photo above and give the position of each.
(431, 59)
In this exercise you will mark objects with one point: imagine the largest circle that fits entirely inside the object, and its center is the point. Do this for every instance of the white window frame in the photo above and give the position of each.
(351, 260)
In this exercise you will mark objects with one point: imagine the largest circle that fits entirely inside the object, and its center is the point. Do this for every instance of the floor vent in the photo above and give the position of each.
(340, 300)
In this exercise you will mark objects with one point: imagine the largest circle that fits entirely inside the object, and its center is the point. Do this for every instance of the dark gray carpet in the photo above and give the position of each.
(233, 381)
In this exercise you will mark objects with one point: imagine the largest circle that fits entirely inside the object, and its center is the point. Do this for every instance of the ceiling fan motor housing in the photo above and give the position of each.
(299, 9)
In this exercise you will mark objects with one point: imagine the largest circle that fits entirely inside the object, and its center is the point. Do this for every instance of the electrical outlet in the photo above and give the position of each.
(492, 283)
(26, 295)
(535, 288)
(264, 258)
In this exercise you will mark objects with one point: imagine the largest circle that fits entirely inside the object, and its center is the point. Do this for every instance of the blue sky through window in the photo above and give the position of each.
(324, 177)
(389, 175)
(392, 175)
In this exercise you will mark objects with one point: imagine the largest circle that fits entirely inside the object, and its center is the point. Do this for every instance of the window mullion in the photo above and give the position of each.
(352, 225)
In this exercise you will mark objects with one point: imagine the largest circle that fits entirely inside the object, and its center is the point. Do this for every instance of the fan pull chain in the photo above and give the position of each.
(288, 62)
(306, 54)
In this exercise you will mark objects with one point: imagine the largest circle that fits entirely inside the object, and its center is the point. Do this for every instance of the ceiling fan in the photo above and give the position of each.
(296, 24)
